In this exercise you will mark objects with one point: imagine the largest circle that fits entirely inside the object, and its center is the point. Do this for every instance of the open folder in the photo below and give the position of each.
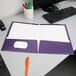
(38, 38)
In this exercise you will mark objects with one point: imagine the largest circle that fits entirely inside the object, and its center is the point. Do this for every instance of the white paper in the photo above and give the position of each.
(38, 32)
(20, 44)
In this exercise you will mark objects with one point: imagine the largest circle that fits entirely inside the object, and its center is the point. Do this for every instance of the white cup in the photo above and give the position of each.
(28, 13)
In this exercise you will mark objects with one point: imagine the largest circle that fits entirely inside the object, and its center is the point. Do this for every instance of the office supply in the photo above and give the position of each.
(28, 10)
(3, 69)
(66, 68)
(27, 66)
(24, 6)
(28, 13)
(60, 14)
(30, 5)
(40, 38)
(2, 26)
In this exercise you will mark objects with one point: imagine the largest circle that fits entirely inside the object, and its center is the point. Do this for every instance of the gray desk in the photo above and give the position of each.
(39, 64)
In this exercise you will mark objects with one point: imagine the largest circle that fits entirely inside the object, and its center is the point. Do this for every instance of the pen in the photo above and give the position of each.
(24, 6)
(27, 66)
(30, 5)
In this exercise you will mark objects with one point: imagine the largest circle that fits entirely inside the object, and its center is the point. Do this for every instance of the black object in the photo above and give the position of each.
(51, 9)
(2, 26)
(43, 3)
(65, 68)
(3, 69)
(60, 14)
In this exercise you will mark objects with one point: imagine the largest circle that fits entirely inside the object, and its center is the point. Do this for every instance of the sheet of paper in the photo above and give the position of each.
(22, 31)
(38, 32)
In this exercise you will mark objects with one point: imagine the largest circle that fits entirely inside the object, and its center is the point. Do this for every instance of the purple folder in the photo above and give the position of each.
(45, 46)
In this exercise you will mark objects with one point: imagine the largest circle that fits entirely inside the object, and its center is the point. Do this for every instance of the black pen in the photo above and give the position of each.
(26, 4)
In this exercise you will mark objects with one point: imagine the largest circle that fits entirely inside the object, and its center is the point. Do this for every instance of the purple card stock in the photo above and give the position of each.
(40, 40)
(9, 45)
(55, 47)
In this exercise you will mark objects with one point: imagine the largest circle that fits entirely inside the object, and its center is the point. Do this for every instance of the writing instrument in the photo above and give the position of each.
(24, 6)
(30, 5)
(27, 66)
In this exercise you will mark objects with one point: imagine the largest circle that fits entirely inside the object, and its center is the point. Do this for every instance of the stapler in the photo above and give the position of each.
(2, 26)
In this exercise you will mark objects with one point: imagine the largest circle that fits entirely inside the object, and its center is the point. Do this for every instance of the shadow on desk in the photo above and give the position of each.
(3, 69)
(65, 68)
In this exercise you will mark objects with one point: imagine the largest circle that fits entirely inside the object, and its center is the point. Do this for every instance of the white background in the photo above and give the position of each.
(10, 7)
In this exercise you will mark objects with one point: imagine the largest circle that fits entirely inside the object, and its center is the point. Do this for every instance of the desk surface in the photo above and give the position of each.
(42, 63)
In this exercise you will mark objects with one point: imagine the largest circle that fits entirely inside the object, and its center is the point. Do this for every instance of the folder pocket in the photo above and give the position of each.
(18, 45)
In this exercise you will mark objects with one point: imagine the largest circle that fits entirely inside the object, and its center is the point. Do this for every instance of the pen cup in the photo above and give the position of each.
(28, 13)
